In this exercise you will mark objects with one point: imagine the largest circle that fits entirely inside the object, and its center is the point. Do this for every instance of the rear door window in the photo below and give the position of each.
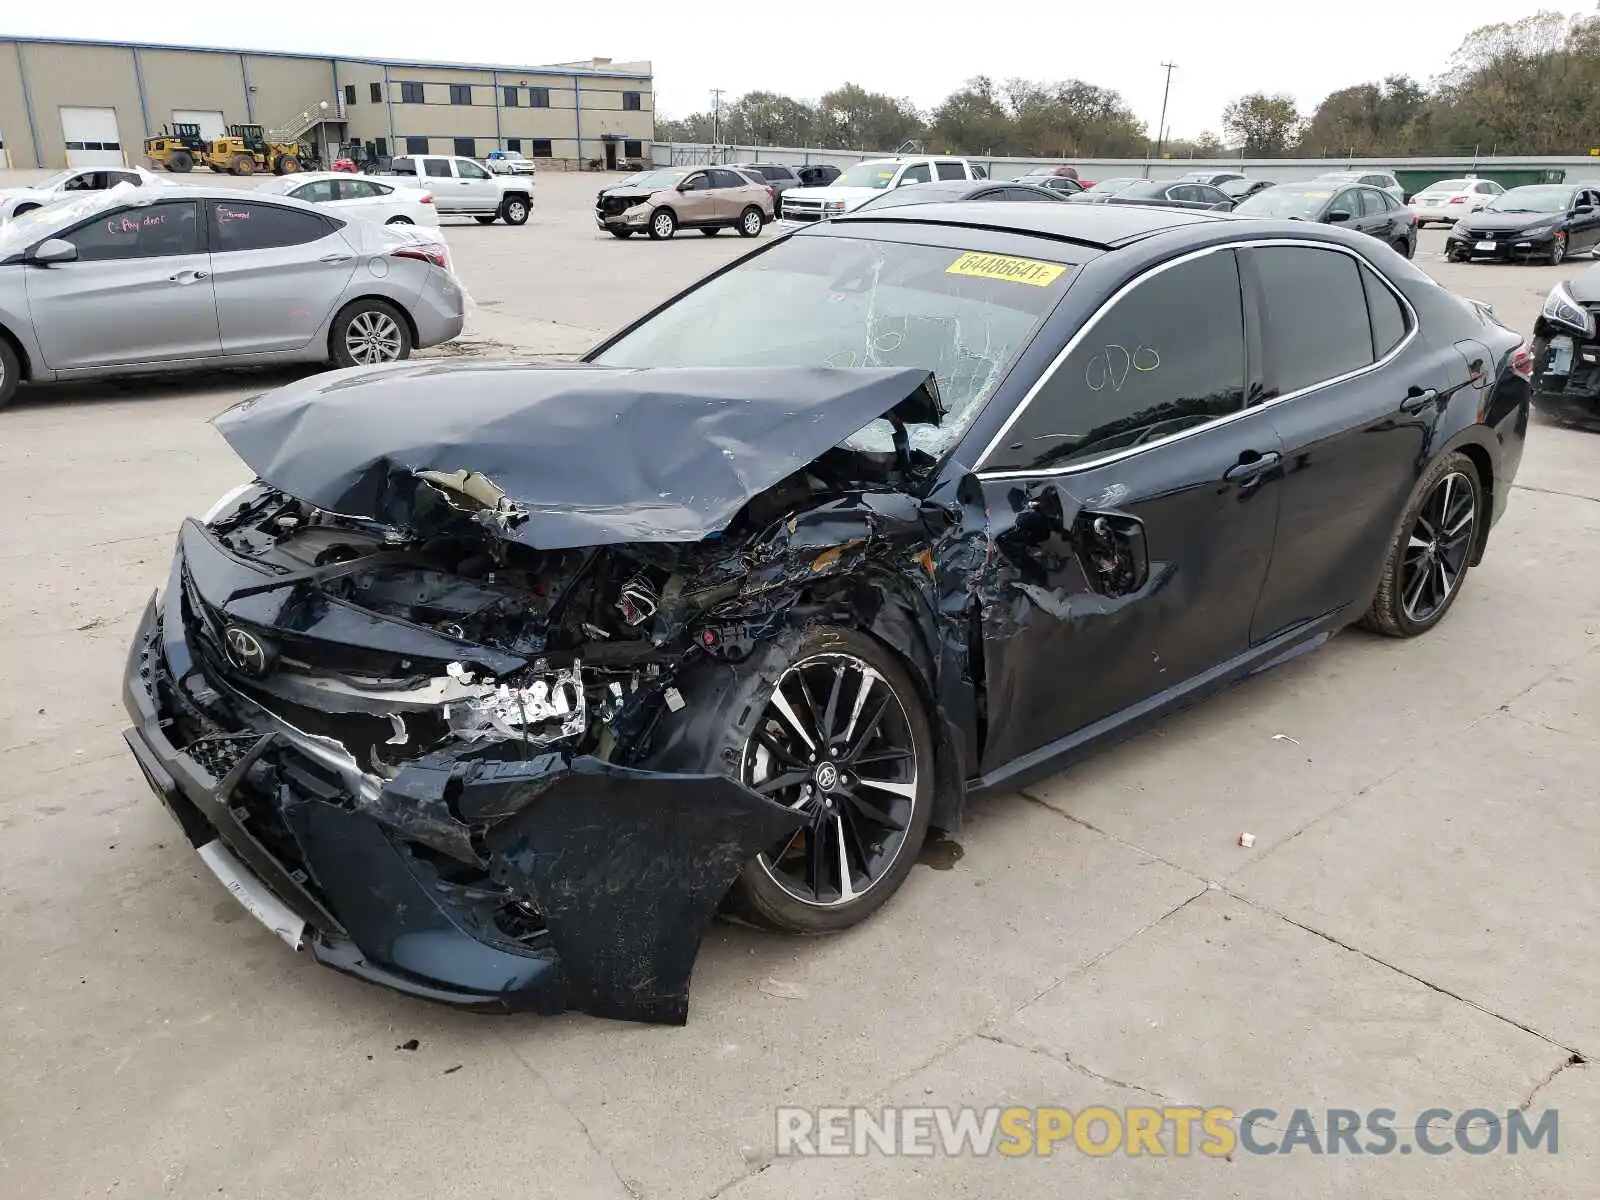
(952, 170)
(1316, 325)
(403, 166)
(252, 225)
(436, 168)
(1371, 203)
(319, 191)
(729, 179)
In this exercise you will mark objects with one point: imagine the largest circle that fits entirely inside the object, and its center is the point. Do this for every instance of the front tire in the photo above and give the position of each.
(663, 224)
(10, 372)
(368, 332)
(399, 221)
(750, 222)
(1558, 250)
(23, 208)
(1429, 559)
(514, 211)
(181, 162)
(244, 164)
(845, 739)
(287, 165)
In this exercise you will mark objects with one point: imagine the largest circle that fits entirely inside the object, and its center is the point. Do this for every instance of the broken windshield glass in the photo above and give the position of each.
(853, 302)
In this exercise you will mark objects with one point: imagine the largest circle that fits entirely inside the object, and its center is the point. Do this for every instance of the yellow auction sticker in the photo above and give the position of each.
(1012, 270)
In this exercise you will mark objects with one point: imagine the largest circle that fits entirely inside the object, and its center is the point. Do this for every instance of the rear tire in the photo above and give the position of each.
(368, 332)
(10, 372)
(663, 224)
(399, 221)
(750, 222)
(1430, 557)
(287, 165)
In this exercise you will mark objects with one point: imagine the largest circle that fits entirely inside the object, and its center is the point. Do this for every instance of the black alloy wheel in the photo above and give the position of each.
(1558, 248)
(1433, 553)
(844, 740)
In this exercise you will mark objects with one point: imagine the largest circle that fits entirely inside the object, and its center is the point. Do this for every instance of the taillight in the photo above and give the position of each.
(427, 198)
(1458, 199)
(1522, 361)
(439, 256)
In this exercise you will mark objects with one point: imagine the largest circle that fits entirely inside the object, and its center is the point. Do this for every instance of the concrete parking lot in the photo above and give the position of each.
(1413, 928)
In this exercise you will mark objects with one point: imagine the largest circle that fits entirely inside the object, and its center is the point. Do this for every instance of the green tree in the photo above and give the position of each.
(850, 117)
(1266, 125)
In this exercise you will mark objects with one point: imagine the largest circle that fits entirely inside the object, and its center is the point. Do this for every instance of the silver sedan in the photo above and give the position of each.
(138, 281)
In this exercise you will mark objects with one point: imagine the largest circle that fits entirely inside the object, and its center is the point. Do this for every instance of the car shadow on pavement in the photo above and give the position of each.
(157, 387)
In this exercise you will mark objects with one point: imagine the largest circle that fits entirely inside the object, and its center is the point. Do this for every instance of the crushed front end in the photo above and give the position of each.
(473, 764)
(1566, 352)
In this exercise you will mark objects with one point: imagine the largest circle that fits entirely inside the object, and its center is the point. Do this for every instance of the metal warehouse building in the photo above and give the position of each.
(66, 102)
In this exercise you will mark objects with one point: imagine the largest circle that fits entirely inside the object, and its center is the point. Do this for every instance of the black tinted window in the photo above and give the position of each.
(248, 225)
(728, 179)
(319, 191)
(402, 166)
(155, 231)
(1388, 317)
(1315, 315)
(1154, 364)
(438, 168)
(952, 170)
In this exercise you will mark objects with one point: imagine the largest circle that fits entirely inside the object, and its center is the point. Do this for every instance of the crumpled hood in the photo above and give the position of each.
(563, 456)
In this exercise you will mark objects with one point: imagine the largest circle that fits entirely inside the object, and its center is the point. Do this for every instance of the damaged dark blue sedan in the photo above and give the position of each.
(499, 681)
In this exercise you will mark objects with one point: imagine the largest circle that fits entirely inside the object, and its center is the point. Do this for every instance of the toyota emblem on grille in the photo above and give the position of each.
(245, 652)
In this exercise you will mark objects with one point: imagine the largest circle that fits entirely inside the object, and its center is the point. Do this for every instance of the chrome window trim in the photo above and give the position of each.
(1413, 324)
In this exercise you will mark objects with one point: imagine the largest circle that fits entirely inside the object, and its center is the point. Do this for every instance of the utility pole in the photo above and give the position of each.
(1161, 125)
(716, 118)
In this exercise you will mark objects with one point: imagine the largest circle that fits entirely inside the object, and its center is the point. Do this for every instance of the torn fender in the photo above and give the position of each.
(627, 868)
(561, 457)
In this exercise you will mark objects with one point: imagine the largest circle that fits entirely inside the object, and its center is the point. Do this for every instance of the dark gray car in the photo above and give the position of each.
(944, 190)
(147, 280)
(1368, 209)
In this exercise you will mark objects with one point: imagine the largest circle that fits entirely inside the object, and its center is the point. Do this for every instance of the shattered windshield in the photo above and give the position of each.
(852, 302)
(655, 180)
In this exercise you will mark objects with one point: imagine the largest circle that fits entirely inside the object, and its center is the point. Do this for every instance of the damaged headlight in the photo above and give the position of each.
(1561, 309)
(545, 707)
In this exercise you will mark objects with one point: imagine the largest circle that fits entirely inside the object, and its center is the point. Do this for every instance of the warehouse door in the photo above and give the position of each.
(212, 126)
(91, 137)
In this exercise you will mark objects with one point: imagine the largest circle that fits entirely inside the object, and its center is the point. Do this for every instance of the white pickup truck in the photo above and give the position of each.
(868, 179)
(463, 187)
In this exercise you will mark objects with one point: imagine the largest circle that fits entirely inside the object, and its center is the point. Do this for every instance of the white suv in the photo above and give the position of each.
(868, 179)
(463, 187)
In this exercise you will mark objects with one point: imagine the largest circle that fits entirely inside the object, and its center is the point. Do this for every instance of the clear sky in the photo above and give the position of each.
(919, 49)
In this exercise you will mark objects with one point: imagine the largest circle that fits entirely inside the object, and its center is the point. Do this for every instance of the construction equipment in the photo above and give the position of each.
(177, 147)
(247, 150)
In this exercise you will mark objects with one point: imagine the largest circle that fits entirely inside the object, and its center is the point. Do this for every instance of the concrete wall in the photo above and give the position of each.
(271, 89)
(1278, 170)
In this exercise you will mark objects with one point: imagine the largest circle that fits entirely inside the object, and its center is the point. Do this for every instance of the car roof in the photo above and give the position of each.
(1105, 226)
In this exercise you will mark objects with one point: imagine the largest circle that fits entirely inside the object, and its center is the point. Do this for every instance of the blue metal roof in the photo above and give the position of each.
(581, 72)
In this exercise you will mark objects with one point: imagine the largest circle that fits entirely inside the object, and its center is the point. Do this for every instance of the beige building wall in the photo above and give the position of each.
(58, 76)
(271, 90)
(179, 79)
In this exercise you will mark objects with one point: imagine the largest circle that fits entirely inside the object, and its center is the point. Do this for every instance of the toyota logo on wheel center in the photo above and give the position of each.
(827, 777)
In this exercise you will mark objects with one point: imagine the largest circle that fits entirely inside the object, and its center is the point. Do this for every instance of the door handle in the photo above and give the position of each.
(1418, 399)
(187, 276)
(1243, 472)
(336, 258)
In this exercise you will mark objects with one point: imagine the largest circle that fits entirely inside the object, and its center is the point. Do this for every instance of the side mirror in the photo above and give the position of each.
(1338, 215)
(54, 250)
(1583, 210)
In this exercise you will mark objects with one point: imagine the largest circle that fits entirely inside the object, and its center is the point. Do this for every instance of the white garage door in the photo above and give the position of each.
(91, 137)
(212, 126)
